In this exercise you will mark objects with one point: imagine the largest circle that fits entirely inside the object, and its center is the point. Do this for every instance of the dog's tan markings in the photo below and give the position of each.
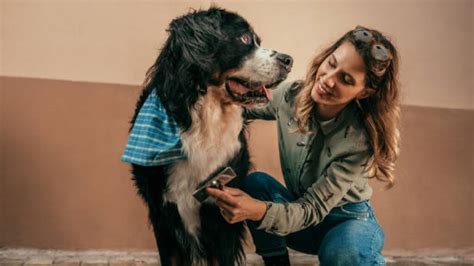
(211, 141)
(174, 260)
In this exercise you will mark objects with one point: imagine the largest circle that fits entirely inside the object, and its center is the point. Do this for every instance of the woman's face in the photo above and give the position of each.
(340, 78)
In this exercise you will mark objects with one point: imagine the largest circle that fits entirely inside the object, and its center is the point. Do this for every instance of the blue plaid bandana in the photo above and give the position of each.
(155, 137)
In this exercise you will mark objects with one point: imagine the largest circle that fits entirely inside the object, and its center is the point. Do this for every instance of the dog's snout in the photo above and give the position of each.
(285, 60)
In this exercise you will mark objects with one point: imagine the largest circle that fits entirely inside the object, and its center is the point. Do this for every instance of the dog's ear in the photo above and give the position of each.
(195, 38)
(186, 63)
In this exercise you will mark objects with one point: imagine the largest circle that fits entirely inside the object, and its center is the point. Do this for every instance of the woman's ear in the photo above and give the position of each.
(366, 92)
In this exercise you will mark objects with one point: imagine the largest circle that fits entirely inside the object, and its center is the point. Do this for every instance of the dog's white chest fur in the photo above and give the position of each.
(211, 141)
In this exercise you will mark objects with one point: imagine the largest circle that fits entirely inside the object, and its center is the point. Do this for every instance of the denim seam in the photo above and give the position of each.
(359, 215)
(372, 244)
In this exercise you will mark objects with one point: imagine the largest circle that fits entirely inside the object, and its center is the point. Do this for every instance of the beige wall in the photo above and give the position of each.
(64, 118)
(116, 41)
(63, 185)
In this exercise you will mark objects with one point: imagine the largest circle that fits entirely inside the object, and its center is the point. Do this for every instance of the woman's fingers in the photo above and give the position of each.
(224, 205)
(223, 196)
(229, 205)
(230, 216)
(233, 191)
(235, 205)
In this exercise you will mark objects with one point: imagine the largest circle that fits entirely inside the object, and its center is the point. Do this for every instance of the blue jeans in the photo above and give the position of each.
(348, 235)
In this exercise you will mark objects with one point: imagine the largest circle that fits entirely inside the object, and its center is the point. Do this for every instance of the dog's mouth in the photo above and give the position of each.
(249, 92)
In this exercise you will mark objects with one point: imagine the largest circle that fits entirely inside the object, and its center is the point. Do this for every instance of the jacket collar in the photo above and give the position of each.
(329, 126)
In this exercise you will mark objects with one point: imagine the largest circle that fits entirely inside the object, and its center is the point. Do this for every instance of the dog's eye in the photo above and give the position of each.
(245, 38)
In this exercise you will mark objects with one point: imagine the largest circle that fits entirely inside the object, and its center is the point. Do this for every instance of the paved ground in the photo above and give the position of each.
(35, 257)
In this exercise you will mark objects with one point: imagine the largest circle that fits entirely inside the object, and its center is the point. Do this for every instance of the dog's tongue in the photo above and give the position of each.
(268, 93)
(236, 87)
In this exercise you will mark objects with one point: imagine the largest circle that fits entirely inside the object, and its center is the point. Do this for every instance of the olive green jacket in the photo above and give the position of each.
(323, 169)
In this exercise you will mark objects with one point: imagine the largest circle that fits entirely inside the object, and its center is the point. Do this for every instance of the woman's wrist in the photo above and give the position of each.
(261, 210)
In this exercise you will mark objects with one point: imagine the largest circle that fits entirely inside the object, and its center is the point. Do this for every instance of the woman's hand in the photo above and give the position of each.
(236, 205)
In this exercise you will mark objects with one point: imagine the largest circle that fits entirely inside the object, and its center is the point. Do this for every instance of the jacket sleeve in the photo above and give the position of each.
(285, 218)
(269, 111)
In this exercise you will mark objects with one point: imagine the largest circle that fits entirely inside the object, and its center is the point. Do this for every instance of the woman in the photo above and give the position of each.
(336, 130)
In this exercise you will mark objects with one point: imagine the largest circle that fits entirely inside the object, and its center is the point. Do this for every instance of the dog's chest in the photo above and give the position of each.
(213, 138)
(210, 143)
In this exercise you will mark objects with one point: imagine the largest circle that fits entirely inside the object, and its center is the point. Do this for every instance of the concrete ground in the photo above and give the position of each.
(36, 257)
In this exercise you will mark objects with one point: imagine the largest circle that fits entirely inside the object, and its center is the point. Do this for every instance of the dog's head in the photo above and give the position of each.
(258, 72)
(214, 49)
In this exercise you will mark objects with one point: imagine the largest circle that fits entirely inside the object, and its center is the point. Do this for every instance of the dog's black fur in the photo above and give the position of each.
(202, 46)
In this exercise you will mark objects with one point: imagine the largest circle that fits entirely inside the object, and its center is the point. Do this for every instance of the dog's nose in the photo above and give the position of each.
(285, 60)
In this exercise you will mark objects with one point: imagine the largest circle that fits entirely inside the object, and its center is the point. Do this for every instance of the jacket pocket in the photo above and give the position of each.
(358, 210)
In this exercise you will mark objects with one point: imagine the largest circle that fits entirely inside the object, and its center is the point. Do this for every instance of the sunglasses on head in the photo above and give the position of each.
(379, 52)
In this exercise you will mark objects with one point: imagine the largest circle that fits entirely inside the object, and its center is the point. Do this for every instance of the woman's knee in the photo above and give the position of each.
(256, 181)
(264, 187)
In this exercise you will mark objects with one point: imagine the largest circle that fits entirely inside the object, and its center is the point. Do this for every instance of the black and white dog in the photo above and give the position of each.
(210, 66)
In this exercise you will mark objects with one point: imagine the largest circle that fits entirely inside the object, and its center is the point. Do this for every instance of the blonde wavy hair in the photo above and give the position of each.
(380, 111)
